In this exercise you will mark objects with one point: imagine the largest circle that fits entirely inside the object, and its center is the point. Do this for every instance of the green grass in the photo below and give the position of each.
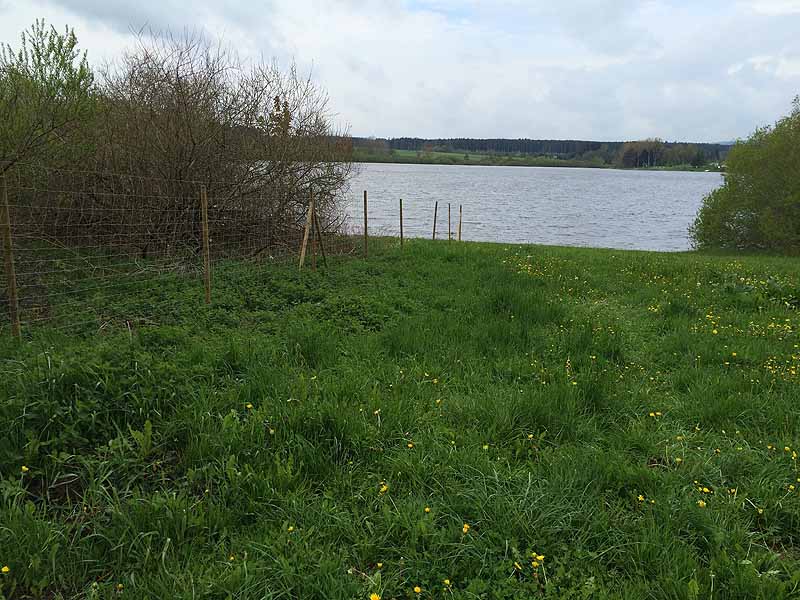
(240, 450)
(497, 160)
(470, 158)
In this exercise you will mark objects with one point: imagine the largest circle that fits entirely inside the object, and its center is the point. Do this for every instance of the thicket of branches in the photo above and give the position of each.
(173, 113)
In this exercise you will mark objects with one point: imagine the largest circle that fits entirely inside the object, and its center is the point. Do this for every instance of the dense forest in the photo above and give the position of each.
(632, 154)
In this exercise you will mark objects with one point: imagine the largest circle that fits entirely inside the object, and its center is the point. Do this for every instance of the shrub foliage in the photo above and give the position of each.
(758, 207)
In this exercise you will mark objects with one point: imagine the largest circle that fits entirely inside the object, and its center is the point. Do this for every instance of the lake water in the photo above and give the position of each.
(607, 208)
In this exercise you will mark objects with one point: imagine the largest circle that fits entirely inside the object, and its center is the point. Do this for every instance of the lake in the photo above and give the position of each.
(604, 208)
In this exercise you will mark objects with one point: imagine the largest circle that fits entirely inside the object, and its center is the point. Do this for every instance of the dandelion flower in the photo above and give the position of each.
(5, 569)
(410, 444)
(374, 596)
(465, 528)
(641, 498)
(427, 509)
(417, 589)
(701, 503)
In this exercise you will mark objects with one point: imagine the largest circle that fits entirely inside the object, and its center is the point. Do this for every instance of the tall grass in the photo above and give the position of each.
(632, 417)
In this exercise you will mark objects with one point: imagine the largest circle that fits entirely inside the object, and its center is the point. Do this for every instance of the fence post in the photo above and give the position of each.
(309, 217)
(313, 236)
(206, 247)
(435, 213)
(319, 236)
(449, 227)
(401, 222)
(460, 215)
(8, 251)
(366, 249)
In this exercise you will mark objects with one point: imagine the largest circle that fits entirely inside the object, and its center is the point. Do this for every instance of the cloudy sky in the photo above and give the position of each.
(580, 69)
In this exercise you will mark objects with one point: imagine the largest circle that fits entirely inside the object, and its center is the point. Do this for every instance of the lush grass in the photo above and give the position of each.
(630, 416)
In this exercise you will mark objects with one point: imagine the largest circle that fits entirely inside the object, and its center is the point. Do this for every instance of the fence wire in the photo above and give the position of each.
(87, 245)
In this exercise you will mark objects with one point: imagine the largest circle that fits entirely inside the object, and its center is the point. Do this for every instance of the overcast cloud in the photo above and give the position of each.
(581, 69)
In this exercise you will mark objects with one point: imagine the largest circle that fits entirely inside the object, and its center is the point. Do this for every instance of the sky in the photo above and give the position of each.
(576, 69)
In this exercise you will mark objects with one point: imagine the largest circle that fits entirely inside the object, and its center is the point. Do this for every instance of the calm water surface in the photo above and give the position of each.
(646, 210)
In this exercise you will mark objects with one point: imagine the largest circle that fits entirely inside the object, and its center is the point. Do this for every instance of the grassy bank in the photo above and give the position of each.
(496, 160)
(473, 421)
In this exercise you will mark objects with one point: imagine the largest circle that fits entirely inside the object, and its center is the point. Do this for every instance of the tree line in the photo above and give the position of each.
(632, 154)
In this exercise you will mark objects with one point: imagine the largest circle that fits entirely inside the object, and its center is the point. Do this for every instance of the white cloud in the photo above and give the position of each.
(591, 69)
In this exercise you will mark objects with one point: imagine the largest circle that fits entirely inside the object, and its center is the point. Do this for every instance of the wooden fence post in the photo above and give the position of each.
(304, 245)
(435, 214)
(313, 237)
(8, 251)
(460, 215)
(319, 237)
(449, 227)
(401, 222)
(366, 249)
(206, 245)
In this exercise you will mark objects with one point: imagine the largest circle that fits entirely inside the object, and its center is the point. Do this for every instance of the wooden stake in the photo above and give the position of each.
(460, 215)
(319, 237)
(8, 251)
(306, 231)
(435, 213)
(449, 228)
(313, 236)
(401, 222)
(206, 245)
(366, 249)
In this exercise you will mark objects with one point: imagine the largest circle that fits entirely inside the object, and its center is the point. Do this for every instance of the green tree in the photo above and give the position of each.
(45, 94)
(758, 206)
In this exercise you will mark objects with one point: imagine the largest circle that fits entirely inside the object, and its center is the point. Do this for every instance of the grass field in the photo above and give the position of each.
(447, 421)
(498, 160)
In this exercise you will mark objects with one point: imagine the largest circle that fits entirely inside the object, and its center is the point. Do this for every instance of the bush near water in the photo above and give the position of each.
(758, 207)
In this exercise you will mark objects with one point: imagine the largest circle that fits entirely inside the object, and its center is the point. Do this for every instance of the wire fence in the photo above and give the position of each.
(103, 250)
(74, 242)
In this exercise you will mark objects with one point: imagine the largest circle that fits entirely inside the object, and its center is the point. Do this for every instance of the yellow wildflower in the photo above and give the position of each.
(641, 498)
(417, 589)
(25, 469)
(701, 503)
(290, 529)
(427, 509)
(446, 582)
(5, 569)
(465, 528)
(248, 406)
(535, 565)
(379, 565)
(384, 488)
(374, 596)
